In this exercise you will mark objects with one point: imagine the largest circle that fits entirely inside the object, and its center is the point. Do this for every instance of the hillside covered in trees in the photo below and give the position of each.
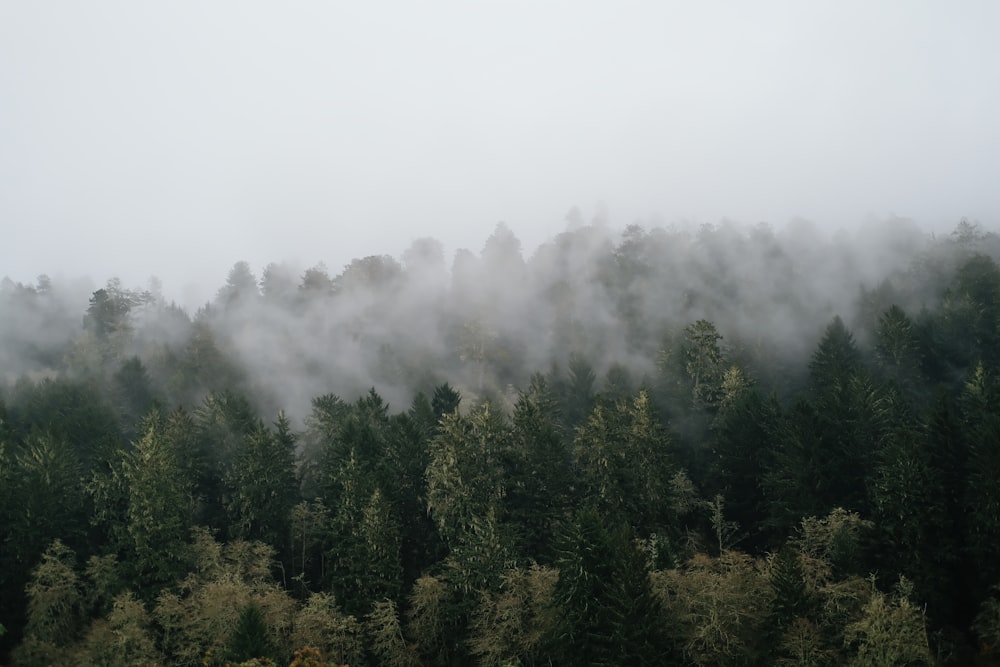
(711, 446)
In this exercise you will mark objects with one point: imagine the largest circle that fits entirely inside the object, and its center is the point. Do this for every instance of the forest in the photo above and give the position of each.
(714, 445)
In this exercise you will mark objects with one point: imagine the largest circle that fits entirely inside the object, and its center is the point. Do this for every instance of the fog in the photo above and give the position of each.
(172, 139)
(618, 299)
(404, 194)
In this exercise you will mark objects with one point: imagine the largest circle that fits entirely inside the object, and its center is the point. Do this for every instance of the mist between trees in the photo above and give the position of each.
(713, 445)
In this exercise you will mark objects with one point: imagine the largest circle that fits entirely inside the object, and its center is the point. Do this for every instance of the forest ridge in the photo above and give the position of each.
(720, 445)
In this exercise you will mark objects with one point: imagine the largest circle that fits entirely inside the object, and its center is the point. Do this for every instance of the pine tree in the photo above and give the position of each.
(261, 485)
(540, 467)
(250, 637)
(159, 507)
(790, 596)
(982, 495)
(608, 614)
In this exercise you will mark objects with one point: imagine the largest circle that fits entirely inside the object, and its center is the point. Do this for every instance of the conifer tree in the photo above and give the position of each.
(159, 507)
(607, 612)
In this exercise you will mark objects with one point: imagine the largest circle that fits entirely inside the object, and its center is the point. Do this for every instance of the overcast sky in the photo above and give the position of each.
(175, 138)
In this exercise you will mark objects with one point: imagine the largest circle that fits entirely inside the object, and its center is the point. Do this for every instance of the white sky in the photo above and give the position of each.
(175, 138)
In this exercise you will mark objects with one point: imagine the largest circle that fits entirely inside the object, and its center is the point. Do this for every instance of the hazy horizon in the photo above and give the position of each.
(173, 140)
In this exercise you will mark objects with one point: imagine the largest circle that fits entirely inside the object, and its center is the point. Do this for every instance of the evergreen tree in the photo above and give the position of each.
(465, 475)
(897, 348)
(790, 595)
(608, 614)
(744, 431)
(445, 401)
(623, 457)
(261, 485)
(703, 362)
(911, 512)
(250, 637)
(981, 419)
(540, 467)
(579, 393)
(159, 507)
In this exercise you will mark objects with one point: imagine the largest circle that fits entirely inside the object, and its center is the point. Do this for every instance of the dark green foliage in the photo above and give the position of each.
(134, 394)
(240, 287)
(42, 500)
(835, 360)
(981, 417)
(790, 595)
(540, 467)
(898, 351)
(108, 313)
(202, 367)
(971, 313)
(745, 430)
(915, 534)
(445, 401)
(70, 411)
(578, 392)
(261, 485)
(824, 454)
(221, 424)
(537, 522)
(251, 638)
(624, 463)
(703, 363)
(608, 614)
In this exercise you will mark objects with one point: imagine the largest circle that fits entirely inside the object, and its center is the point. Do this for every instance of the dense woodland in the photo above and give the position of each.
(721, 445)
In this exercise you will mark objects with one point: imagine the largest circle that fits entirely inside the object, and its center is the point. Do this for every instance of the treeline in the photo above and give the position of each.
(649, 464)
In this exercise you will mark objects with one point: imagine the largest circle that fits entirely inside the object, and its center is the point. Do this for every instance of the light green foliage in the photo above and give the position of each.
(427, 619)
(735, 386)
(387, 640)
(198, 617)
(704, 363)
(104, 582)
(310, 540)
(890, 632)
(834, 540)
(125, 638)
(987, 623)
(511, 625)
(433, 619)
(320, 623)
(624, 460)
(55, 597)
(720, 605)
(803, 645)
(465, 475)
(159, 501)
(726, 532)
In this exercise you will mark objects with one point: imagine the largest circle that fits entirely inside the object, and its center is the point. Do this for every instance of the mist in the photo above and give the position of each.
(485, 321)
(313, 192)
(172, 140)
